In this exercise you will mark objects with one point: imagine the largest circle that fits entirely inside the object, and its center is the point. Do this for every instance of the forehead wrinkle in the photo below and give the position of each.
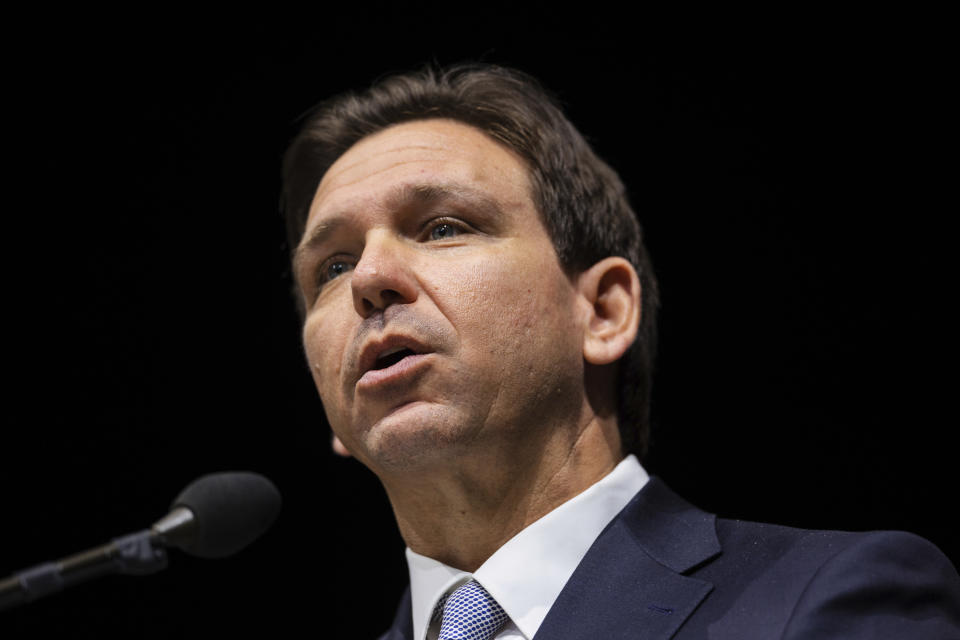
(342, 167)
(349, 167)
(340, 183)
(405, 195)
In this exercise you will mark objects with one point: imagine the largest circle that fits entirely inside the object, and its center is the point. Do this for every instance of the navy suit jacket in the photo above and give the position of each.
(665, 569)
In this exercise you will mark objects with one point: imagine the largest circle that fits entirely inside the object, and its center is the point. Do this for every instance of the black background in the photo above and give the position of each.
(791, 190)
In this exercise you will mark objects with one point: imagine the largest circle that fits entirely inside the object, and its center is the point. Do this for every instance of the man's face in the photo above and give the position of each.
(439, 320)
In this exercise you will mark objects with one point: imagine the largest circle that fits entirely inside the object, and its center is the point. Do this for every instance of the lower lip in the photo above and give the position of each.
(398, 372)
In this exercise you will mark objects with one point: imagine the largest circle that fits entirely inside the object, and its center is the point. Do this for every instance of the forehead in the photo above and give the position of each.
(439, 152)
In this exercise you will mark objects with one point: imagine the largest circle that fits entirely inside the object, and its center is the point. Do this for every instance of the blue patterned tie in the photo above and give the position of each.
(470, 613)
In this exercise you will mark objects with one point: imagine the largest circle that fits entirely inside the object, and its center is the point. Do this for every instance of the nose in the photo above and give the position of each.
(383, 275)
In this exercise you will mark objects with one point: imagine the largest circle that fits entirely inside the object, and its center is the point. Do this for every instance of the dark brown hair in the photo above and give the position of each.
(582, 200)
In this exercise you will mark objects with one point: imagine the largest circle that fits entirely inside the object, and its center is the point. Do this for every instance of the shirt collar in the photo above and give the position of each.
(526, 574)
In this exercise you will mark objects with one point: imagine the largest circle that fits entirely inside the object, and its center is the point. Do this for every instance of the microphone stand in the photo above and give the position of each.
(138, 554)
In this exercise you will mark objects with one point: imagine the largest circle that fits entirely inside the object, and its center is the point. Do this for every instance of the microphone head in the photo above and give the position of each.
(230, 510)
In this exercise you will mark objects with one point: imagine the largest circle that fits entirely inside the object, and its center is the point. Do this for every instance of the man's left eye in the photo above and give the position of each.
(443, 231)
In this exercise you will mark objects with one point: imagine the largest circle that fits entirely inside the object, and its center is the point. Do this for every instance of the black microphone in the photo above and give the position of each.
(214, 517)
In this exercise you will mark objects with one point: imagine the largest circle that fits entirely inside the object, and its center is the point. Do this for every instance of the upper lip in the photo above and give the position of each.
(374, 348)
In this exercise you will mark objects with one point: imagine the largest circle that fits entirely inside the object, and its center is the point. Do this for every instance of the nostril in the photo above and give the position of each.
(380, 300)
(390, 296)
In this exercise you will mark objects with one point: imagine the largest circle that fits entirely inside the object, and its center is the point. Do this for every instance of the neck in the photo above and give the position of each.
(460, 514)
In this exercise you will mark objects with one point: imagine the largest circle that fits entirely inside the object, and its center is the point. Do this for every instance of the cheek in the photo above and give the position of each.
(319, 344)
(516, 305)
(521, 349)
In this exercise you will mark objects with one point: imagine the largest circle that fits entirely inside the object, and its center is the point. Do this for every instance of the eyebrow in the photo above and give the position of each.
(402, 197)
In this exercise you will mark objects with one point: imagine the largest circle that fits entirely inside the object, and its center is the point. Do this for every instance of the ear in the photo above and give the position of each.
(338, 448)
(611, 292)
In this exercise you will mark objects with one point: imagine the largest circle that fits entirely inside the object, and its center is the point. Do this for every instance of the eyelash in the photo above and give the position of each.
(458, 225)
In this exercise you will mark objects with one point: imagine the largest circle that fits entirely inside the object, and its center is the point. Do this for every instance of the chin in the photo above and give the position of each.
(417, 434)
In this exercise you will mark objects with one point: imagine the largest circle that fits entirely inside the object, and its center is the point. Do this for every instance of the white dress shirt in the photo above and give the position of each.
(526, 574)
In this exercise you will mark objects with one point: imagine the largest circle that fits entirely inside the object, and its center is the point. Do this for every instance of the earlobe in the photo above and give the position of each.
(339, 448)
(611, 291)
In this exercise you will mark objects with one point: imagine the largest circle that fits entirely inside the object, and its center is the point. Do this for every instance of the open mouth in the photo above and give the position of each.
(391, 357)
(393, 360)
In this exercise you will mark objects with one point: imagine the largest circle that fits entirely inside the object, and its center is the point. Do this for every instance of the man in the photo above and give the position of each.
(479, 319)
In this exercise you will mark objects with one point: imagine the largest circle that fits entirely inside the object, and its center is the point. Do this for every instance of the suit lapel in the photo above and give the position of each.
(631, 583)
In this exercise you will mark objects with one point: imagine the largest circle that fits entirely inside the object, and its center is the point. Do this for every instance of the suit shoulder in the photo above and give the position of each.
(881, 584)
(757, 547)
(813, 548)
(784, 582)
